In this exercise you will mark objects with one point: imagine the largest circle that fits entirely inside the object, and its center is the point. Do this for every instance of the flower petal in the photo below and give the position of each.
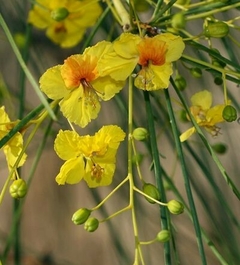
(107, 87)
(71, 172)
(80, 106)
(99, 49)
(3, 119)
(104, 180)
(13, 149)
(153, 77)
(40, 16)
(175, 46)
(52, 84)
(202, 99)
(110, 134)
(184, 136)
(120, 61)
(66, 144)
(214, 115)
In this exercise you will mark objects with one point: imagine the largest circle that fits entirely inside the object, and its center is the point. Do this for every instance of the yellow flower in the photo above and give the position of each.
(79, 85)
(91, 158)
(14, 146)
(65, 21)
(204, 115)
(155, 56)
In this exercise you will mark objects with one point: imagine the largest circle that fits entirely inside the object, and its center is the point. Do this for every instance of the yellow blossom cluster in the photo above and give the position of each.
(205, 115)
(14, 146)
(65, 21)
(83, 80)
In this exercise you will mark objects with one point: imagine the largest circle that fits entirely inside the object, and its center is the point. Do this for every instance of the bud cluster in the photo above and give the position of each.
(82, 216)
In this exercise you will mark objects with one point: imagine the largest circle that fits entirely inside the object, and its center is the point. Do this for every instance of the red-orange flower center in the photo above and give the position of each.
(152, 50)
(60, 28)
(78, 69)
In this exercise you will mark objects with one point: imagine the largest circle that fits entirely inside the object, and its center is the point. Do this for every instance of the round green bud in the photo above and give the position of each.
(196, 72)
(137, 158)
(59, 14)
(178, 21)
(180, 82)
(140, 134)
(81, 216)
(229, 113)
(18, 189)
(91, 224)
(151, 191)
(218, 80)
(175, 207)
(163, 236)
(20, 40)
(216, 30)
(219, 148)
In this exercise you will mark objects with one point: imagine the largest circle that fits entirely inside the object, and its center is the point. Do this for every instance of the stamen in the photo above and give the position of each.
(97, 172)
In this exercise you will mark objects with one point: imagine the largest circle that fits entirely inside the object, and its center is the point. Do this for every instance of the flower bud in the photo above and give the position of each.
(151, 191)
(59, 14)
(163, 236)
(196, 72)
(175, 207)
(178, 21)
(20, 40)
(137, 158)
(219, 148)
(18, 189)
(229, 113)
(180, 82)
(91, 224)
(140, 134)
(218, 80)
(216, 29)
(81, 216)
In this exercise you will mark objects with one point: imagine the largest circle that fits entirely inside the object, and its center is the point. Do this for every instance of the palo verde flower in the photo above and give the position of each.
(91, 158)
(204, 115)
(14, 146)
(155, 56)
(65, 21)
(79, 86)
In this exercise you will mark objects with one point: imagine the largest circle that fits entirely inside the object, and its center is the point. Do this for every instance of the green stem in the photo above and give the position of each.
(17, 213)
(110, 194)
(95, 29)
(210, 66)
(25, 68)
(156, 9)
(16, 203)
(213, 11)
(20, 125)
(130, 173)
(186, 178)
(187, 210)
(158, 174)
(164, 9)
